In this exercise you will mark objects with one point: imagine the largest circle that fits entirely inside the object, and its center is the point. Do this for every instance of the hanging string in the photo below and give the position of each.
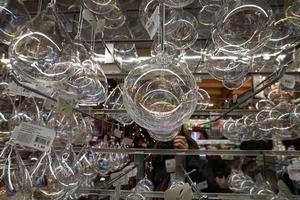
(80, 22)
(162, 10)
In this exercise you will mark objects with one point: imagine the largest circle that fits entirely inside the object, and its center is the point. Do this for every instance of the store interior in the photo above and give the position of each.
(149, 99)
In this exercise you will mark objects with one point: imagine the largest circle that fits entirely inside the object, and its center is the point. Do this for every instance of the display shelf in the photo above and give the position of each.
(139, 151)
(202, 75)
(207, 112)
(214, 142)
(227, 196)
(183, 152)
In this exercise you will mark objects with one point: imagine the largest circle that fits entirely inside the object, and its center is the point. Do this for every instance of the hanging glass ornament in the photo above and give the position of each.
(43, 52)
(13, 16)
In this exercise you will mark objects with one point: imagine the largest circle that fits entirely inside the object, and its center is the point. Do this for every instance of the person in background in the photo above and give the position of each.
(213, 174)
(258, 167)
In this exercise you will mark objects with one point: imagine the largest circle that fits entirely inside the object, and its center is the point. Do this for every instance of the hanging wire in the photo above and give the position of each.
(162, 10)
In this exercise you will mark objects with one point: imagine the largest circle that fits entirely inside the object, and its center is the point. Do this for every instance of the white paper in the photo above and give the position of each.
(99, 26)
(89, 17)
(294, 171)
(202, 185)
(288, 81)
(34, 136)
(132, 173)
(183, 192)
(152, 24)
(171, 165)
(122, 181)
(127, 141)
(108, 57)
(18, 90)
(118, 133)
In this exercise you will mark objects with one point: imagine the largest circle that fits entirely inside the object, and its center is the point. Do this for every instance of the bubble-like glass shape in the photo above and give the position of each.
(181, 31)
(89, 83)
(160, 96)
(242, 26)
(43, 52)
(13, 16)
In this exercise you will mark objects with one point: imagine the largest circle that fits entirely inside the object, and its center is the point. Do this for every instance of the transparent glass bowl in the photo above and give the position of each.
(181, 31)
(242, 26)
(160, 95)
(43, 52)
(13, 16)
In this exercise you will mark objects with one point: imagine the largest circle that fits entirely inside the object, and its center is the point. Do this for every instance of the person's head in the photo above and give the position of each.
(191, 142)
(221, 173)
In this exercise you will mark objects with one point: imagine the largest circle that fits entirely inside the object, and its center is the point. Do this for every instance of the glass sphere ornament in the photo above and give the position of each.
(242, 26)
(43, 51)
(181, 31)
(284, 32)
(147, 9)
(13, 16)
(293, 12)
(160, 95)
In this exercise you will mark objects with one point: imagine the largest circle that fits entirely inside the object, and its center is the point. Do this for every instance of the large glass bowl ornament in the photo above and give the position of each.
(181, 31)
(43, 51)
(160, 95)
(242, 26)
(13, 16)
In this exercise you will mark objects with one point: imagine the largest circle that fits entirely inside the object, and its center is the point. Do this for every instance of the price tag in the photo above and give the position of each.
(127, 141)
(294, 171)
(172, 177)
(18, 90)
(132, 173)
(187, 193)
(288, 81)
(118, 133)
(109, 51)
(182, 192)
(171, 165)
(297, 56)
(34, 136)
(202, 185)
(99, 26)
(89, 17)
(152, 24)
(122, 181)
